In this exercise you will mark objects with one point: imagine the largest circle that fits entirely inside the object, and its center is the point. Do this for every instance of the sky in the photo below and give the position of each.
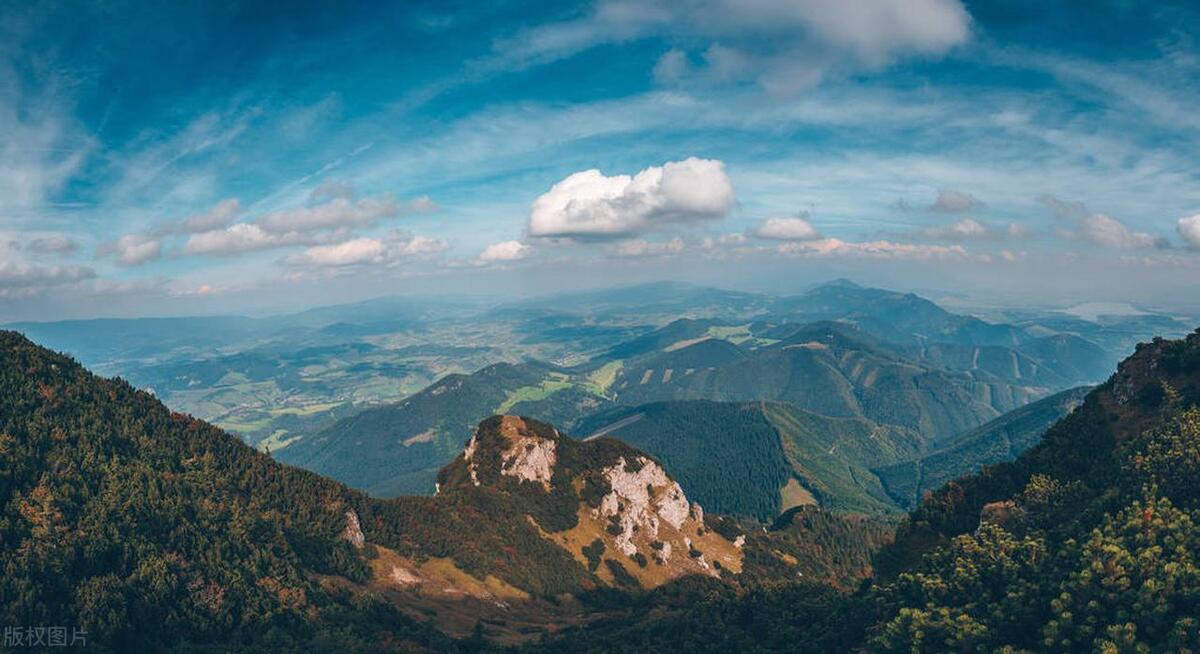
(250, 157)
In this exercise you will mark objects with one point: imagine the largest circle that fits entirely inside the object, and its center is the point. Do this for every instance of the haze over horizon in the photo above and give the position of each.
(201, 159)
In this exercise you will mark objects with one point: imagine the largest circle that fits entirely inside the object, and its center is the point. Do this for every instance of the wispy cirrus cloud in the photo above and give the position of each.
(783, 46)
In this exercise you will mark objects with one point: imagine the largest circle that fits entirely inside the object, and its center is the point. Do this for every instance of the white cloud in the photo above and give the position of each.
(359, 250)
(643, 248)
(786, 45)
(832, 247)
(394, 247)
(589, 204)
(215, 218)
(787, 229)
(1189, 230)
(57, 244)
(724, 241)
(136, 249)
(951, 201)
(672, 67)
(234, 239)
(1098, 228)
(19, 274)
(1107, 231)
(505, 251)
(341, 212)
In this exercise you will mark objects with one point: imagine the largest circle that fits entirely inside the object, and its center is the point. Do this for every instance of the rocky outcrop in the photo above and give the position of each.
(642, 497)
(524, 454)
(608, 505)
(353, 533)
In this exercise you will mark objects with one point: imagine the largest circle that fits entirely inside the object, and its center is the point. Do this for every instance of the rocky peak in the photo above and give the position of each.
(511, 447)
(613, 508)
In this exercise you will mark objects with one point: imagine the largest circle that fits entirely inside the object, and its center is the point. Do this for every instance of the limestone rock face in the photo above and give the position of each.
(610, 506)
(641, 499)
(525, 455)
(353, 532)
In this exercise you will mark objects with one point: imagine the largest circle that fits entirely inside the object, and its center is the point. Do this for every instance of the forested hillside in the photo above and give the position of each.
(762, 458)
(1088, 542)
(153, 531)
(999, 440)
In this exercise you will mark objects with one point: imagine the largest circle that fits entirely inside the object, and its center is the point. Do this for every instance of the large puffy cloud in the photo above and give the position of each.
(787, 229)
(786, 45)
(589, 204)
(1189, 230)
(505, 251)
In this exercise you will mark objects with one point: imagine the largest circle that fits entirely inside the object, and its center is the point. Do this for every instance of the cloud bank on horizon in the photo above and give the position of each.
(181, 158)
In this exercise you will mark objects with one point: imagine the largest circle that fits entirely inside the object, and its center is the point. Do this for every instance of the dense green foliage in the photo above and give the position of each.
(726, 456)
(760, 446)
(151, 530)
(1088, 542)
(696, 617)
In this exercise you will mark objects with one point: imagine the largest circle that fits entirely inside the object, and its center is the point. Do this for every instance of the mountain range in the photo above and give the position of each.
(871, 361)
(152, 530)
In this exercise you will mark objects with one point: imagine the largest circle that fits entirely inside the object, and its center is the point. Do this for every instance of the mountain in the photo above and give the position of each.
(674, 299)
(771, 456)
(828, 368)
(153, 531)
(398, 448)
(1087, 542)
(898, 317)
(1002, 439)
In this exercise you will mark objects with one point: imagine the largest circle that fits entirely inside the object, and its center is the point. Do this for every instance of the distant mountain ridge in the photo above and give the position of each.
(841, 366)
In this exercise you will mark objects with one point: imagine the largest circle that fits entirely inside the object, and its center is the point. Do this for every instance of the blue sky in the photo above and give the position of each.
(251, 157)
